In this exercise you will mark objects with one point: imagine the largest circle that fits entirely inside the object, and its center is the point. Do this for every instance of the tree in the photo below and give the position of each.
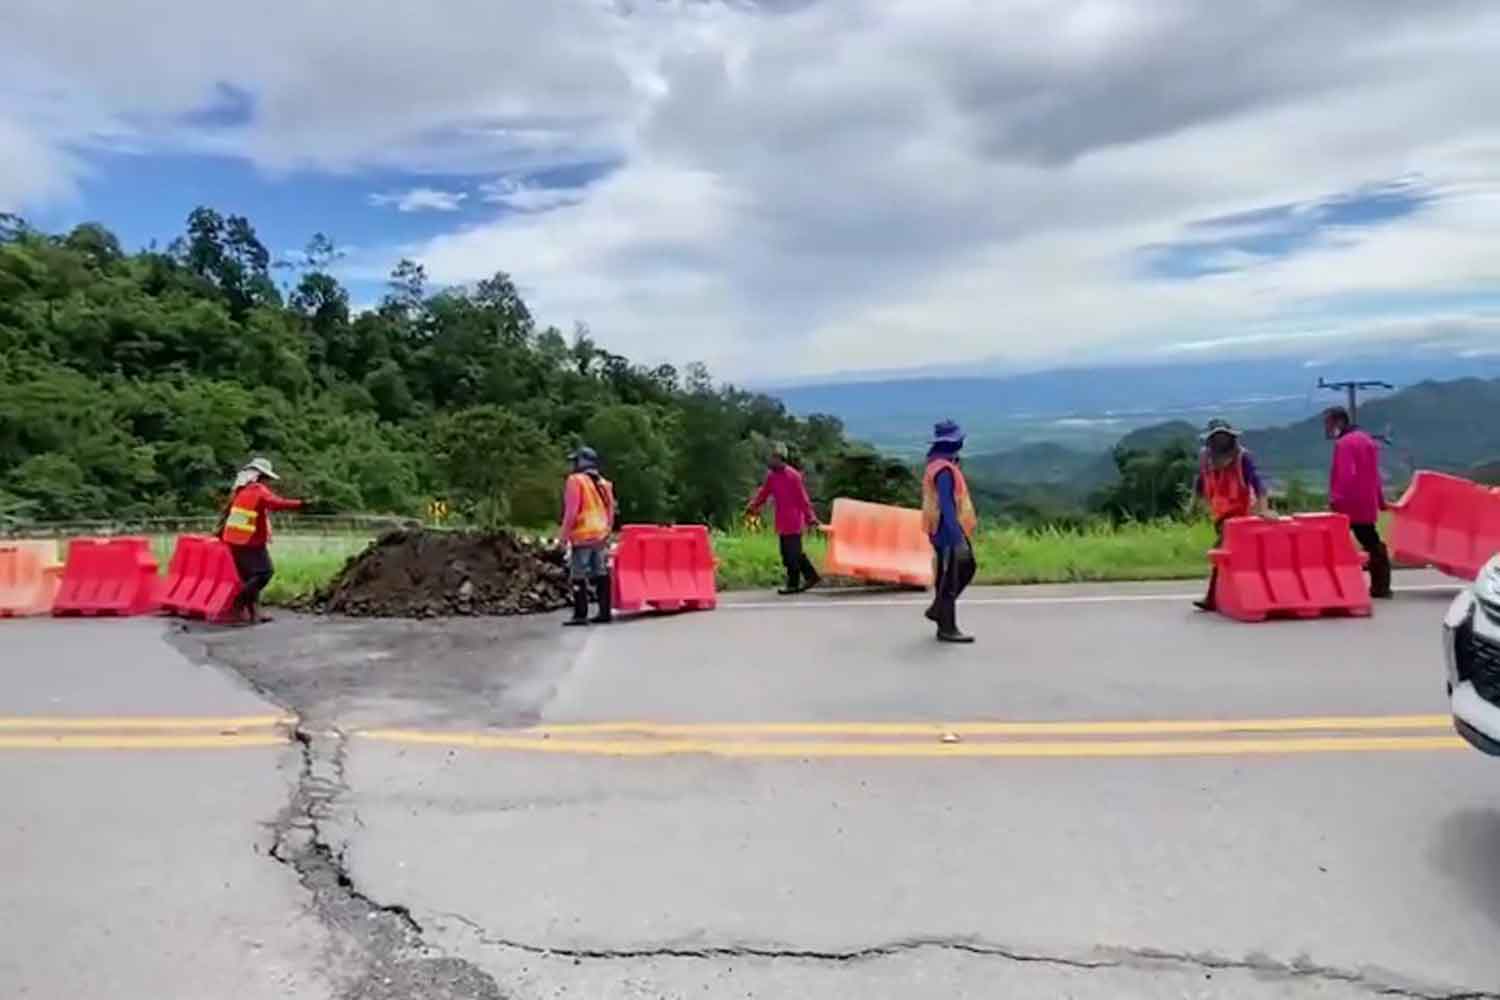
(489, 456)
(864, 474)
(1151, 484)
(497, 295)
(636, 456)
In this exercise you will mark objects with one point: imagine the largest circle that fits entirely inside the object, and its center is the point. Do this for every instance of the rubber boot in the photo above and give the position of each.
(1380, 574)
(605, 598)
(809, 574)
(1208, 602)
(948, 625)
(580, 604)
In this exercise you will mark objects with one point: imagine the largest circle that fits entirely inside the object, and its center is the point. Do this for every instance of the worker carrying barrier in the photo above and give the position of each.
(201, 579)
(108, 576)
(1446, 522)
(670, 568)
(878, 543)
(29, 576)
(1300, 567)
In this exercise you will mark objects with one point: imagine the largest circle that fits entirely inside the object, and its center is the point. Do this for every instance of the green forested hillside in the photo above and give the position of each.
(134, 384)
(1450, 426)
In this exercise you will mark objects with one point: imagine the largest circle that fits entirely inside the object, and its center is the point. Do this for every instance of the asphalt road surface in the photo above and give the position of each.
(1108, 796)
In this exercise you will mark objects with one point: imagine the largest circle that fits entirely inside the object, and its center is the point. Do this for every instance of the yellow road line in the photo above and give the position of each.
(140, 722)
(1334, 723)
(93, 741)
(834, 749)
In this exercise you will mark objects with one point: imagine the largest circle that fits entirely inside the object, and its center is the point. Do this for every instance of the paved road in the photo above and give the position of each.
(1109, 796)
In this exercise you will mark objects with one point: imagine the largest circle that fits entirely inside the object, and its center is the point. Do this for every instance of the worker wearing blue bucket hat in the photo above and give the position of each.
(949, 518)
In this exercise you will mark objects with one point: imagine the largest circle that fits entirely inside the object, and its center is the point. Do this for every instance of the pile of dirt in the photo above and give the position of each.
(429, 574)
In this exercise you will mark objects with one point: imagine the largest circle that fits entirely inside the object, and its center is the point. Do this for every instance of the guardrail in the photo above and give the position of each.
(330, 524)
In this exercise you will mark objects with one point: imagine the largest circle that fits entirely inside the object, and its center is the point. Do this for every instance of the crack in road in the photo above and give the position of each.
(1143, 959)
(381, 942)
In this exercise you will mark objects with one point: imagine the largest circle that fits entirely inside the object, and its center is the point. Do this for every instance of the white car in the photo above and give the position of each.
(1471, 645)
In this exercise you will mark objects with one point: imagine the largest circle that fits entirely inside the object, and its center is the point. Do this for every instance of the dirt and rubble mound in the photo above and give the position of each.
(417, 573)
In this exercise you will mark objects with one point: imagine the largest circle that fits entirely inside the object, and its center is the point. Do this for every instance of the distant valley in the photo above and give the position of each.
(1089, 409)
(1052, 434)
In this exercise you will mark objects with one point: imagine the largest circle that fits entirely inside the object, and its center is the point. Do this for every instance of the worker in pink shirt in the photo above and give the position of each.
(1356, 491)
(794, 515)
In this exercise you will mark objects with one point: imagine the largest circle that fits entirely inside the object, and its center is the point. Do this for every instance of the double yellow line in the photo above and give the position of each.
(144, 732)
(803, 740)
(807, 740)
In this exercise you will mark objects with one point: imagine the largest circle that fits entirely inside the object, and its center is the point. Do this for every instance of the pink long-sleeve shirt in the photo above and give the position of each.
(794, 511)
(1354, 485)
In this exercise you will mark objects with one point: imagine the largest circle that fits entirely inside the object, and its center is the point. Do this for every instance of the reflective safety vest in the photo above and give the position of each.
(596, 503)
(931, 507)
(240, 522)
(1227, 490)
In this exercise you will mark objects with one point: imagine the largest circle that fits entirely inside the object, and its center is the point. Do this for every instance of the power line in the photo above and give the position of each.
(1351, 388)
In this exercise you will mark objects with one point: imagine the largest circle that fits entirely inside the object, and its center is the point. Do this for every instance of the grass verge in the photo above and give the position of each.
(1163, 550)
(749, 561)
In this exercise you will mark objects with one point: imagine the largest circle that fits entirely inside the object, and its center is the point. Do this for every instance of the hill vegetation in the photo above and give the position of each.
(1432, 425)
(134, 384)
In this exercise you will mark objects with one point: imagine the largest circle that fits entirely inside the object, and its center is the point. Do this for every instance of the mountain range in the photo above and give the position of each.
(1089, 408)
(1450, 426)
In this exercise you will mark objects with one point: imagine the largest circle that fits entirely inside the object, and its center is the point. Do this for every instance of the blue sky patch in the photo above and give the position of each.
(230, 107)
(146, 198)
(1229, 243)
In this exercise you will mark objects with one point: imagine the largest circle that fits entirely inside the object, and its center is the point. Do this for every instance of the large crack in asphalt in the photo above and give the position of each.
(380, 942)
(1136, 959)
(379, 950)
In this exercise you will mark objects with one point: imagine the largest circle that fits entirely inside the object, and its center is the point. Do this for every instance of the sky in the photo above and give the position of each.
(789, 188)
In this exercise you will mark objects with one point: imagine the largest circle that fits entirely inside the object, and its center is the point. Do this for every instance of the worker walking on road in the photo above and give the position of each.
(1229, 485)
(1356, 491)
(588, 519)
(246, 528)
(949, 518)
(794, 515)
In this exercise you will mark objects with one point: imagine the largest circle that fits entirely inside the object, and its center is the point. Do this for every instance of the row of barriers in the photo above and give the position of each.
(117, 577)
(1301, 566)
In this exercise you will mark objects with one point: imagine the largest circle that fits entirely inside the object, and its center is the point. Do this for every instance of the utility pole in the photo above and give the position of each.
(1352, 388)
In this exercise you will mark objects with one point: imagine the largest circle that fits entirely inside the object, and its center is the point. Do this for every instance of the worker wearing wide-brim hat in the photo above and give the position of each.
(949, 518)
(1229, 486)
(246, 529)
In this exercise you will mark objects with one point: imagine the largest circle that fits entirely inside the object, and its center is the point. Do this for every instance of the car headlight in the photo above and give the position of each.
(1487, 587)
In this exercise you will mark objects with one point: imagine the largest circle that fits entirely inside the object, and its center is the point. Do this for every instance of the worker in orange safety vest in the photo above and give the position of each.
(1229, 485)
(949, 518)
(588, 520)
(246, 528)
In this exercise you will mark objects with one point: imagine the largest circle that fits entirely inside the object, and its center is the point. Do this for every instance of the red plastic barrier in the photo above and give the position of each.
(29, 575)
(1301, 567)
(1446, 522)
(667, 568)
(107, 576)
(201, 579)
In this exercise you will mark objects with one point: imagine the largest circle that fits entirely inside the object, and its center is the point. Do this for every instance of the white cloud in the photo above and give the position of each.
(420, 199)
(520, 196)
(845, 184)
(32, 170)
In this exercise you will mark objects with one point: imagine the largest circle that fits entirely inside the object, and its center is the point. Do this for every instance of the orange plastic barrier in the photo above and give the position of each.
(667, 568)
(107, 576)
(1301, 567)
(201, 579)
(870, 541)
(1446, 522)
(29, 575)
